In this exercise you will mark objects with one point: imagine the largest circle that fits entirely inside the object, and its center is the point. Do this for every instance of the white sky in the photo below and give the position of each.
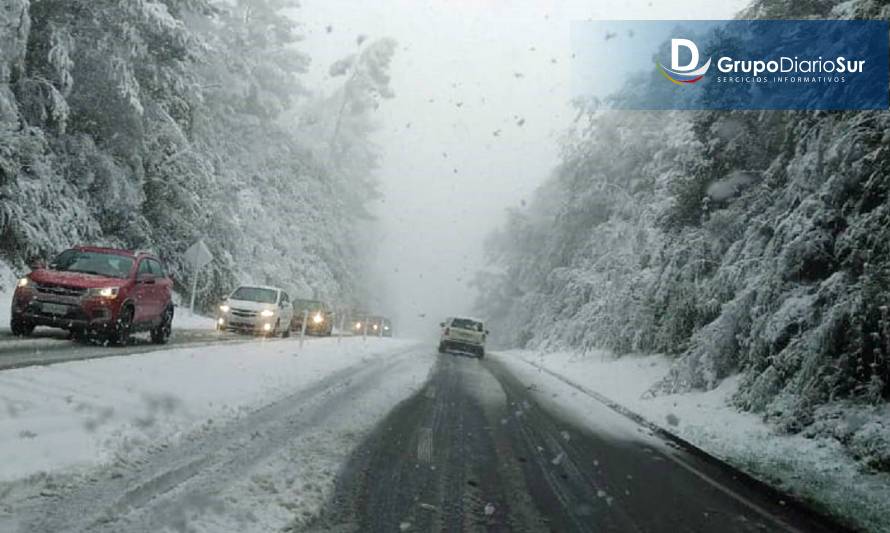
(447, 179)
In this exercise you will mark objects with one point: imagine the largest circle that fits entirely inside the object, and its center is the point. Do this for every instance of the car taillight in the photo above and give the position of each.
(447, 331)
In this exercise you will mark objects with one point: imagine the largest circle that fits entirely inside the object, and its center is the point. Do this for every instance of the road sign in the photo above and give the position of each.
(198, 255)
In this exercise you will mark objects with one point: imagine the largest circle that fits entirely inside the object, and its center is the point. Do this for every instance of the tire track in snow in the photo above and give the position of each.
(144, 499)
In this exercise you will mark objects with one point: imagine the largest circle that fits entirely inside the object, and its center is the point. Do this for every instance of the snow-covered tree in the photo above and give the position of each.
(752, 242)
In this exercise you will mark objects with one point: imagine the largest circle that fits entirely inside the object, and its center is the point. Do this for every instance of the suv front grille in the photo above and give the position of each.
(59, 290)
(243, 313)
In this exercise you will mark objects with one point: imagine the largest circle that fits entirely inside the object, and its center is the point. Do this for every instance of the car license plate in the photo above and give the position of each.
(55, 309)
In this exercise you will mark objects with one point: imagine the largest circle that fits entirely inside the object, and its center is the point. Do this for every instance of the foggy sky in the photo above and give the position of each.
(454, 155)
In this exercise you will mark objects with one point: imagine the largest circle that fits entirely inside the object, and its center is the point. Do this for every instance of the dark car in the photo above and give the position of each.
(319, 317)
(96, 291)
(374, 326)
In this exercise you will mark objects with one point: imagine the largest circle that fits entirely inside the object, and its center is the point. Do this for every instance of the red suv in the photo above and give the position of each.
(96, 291)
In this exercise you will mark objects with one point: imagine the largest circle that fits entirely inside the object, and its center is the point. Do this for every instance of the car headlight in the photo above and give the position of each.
(318, 319)
(105, 292)
(24, 282)
(224, 308)
(267, 313)
(358, 325)
(375, 327)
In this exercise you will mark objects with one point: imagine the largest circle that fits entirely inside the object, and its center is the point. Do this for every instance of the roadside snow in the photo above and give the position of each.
(83, 414)
(815, 469)
(184, 319)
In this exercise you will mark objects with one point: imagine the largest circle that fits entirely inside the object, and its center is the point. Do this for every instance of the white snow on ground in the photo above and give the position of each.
(82, 414)
(184, 319)
(816, 469)
(284, 493)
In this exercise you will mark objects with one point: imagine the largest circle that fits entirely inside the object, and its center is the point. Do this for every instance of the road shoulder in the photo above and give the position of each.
(742, 440)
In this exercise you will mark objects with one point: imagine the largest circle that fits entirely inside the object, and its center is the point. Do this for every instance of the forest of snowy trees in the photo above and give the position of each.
(153, 123)
(754, 242)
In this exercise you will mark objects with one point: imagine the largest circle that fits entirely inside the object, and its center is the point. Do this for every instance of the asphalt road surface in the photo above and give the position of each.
(477, 450)
(50, 346)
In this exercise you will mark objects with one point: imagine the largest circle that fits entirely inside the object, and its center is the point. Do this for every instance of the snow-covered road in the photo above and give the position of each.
(47, 346)
(349, 434)
(245, 437)
(491, 446)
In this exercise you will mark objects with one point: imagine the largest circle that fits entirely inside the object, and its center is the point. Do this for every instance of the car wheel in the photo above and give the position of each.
(481, 352)
(161, 334)
(441, 347)
(121, 331)
(286, 333)
(20, 328)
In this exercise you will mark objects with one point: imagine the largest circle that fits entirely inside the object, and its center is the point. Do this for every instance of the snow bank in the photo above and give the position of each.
(816, 469)
(83, 414)
(184, 319)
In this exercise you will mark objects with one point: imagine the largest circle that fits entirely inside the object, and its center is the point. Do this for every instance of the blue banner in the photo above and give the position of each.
(732, 64)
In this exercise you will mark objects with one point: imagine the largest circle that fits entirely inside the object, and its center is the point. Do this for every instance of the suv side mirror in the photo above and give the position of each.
(487, 332)
(36, 264)
(442, 324)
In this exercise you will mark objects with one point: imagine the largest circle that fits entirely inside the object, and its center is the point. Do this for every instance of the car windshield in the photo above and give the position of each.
(255, 294)
(96, 263)
(466, 323)
(307, 305)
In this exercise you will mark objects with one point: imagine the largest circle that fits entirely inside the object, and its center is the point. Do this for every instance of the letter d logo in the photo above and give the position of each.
(675, 55)
(684, 74)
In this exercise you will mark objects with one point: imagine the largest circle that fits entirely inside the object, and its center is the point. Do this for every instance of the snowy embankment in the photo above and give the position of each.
(184, 319)
(815, 469)
(81, 415)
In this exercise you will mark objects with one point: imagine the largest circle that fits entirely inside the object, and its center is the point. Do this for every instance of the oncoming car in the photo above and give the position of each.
(372, 326)
(319, 317)
(256, 309)
(463, 335)
(90, 290)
